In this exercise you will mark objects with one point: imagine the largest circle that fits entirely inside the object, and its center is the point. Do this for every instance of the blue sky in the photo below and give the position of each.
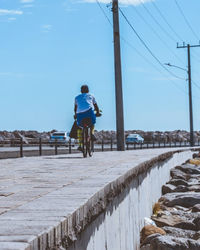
(50, 47)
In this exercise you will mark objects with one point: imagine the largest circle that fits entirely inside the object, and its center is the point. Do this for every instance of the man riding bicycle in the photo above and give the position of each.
(85, 105)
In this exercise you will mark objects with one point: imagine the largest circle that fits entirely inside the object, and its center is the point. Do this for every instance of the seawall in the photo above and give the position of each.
(67, 202)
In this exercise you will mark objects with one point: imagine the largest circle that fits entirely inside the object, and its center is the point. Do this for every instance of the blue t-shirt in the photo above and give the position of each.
(84, 102)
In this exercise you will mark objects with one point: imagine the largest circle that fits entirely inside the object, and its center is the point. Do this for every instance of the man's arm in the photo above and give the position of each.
(96, 108)
(75, 109)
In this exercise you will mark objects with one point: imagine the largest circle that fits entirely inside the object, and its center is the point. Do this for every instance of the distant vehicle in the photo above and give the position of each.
(134, 138)
(61, 138)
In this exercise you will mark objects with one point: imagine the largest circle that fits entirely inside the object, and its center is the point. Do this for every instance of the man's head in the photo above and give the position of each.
(84, 89)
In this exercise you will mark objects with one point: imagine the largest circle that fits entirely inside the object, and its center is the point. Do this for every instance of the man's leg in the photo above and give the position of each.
(80, 138)
(93, 136)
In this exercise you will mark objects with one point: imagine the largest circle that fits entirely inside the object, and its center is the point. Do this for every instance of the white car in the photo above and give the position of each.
(62, 139)
(134, 138)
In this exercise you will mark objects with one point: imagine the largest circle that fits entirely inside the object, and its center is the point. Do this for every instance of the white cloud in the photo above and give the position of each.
(127, 2)
(11, 19)
(26, 1)
(10, 12)
(46, 27)
(27, 6)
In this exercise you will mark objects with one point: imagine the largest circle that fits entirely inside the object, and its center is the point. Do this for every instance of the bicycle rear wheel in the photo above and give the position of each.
(90, 143)
(84, 141)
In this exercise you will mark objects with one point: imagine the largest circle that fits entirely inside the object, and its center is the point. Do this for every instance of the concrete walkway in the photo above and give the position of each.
(38, 193)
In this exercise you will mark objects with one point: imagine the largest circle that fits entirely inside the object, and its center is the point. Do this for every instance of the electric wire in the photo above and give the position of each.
(149, 50)
(187, 22)
(104, 13)
(140, 54)
(196, 85)
(155, 56)
(166, 21)
(195, 57)
(156, 33)
(128, 43)
(164, 30)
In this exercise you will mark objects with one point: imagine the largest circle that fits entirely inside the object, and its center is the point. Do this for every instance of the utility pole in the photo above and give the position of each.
(188, 46)
(118, 79)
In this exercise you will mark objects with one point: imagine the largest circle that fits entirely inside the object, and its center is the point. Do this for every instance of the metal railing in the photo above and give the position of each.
(39, 147)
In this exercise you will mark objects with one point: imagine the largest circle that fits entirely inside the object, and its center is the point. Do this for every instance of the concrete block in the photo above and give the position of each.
(14, 246)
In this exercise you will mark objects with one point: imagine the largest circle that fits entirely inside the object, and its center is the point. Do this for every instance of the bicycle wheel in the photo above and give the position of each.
(90, 143)
(84, 141)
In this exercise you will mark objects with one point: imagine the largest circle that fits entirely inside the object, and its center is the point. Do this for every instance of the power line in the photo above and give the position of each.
(196, 57)
(128, 43)
(150, 63)
(140, 54)
(104, 13)
(164, 30)
(165, 20)
(152, 54)
(195, 84)
(187, 22)
(156, 33)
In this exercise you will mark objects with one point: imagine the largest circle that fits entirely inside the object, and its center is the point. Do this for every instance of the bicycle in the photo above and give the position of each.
(87, 136)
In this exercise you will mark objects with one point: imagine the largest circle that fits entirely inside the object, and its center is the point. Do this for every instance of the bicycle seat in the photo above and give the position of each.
(86, 122)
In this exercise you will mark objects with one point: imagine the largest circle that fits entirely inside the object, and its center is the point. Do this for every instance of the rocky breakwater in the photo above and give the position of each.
(175, 221)
(106, 135)
(13, 137)
(150, 136)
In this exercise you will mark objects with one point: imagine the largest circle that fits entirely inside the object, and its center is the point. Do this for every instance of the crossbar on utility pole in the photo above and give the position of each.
(118, 79)
(188, 46)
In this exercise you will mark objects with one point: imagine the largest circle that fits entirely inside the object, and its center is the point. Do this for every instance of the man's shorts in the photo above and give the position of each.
(88, 114)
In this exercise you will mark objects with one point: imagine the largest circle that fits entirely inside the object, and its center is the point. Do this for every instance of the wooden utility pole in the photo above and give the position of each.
(188, 46)
(118, 79)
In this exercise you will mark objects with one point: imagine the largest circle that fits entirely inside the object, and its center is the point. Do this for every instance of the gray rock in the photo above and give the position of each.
(196, 221)
(180, 208)
(149, 238)
(194, 181)
(197, 236)
(178, 232)
(172, 243)
(194, 245)
(168, 188)
(145, 247)
(195, 188)
(188, 199)
(189, 169)
(196, 208)
(178, 174)
(167, 220)
(185, 215)
(181, 188)
(187, 225)
(177, 182)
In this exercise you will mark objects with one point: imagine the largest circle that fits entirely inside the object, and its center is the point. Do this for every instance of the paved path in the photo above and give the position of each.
(37, 193)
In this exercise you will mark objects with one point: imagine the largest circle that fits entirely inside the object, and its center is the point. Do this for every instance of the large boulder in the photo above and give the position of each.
(189, 169)
(149, 230)
(177, 182)
(196, 208)
(168, 188)
(173, 243)
(178, 174)
(187, 200)
(179, 232)
(174, 221)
